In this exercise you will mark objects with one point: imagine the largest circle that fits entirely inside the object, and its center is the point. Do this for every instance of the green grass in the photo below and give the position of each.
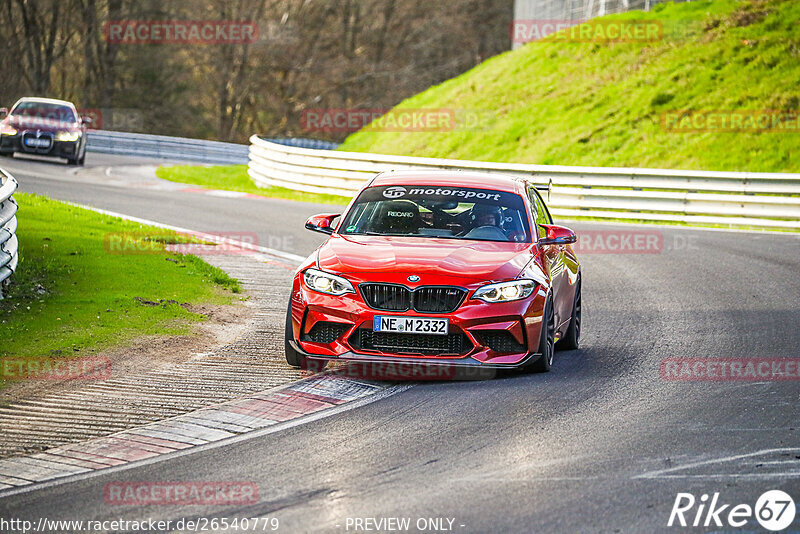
(235, 178)
(71, 297)
(599, 104)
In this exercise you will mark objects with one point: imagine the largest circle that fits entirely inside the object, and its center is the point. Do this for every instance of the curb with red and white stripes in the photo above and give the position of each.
(244, 418)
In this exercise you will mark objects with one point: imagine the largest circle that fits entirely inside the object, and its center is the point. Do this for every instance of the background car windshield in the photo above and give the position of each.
(440, 212)
(42, 110)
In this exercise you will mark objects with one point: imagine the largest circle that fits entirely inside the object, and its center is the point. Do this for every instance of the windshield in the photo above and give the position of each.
(45, 111)
(438, 211)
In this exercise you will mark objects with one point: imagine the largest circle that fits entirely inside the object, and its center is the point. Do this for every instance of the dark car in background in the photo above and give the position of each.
(44, 127)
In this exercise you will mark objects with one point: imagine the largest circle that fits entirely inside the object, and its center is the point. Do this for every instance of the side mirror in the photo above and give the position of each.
(557, 235)
(322, 223)
(86, 120)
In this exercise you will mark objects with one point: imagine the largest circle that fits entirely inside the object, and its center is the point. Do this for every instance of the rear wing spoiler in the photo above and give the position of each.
(544, 187)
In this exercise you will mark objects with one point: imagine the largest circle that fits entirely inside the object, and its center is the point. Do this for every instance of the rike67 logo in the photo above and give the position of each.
(774, 510)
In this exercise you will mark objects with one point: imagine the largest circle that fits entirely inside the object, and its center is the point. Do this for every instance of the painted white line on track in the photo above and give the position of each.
(294, 258)
(226, 194)
(745, 476)
(668, 473)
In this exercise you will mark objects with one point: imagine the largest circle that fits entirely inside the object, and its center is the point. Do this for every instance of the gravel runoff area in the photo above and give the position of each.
(238, 352)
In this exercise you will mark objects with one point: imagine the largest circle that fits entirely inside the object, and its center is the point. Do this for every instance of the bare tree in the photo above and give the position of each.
(41, 31)
(309, 54)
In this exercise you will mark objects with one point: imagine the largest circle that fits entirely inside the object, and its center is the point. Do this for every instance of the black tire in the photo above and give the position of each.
(7, 154)
(572, 338)
(293, 358)
(546, 341)
(72, 161)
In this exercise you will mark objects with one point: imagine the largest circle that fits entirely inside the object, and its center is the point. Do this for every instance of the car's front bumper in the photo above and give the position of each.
(517, 324)
(60, 149)
(443, 364)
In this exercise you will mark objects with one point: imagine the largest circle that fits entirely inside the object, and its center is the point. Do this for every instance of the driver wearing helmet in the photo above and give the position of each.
(485, 215)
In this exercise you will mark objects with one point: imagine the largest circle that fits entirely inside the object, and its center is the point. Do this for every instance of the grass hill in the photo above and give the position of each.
(604, 103)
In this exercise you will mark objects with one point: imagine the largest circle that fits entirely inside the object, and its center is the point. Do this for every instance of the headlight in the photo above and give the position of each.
(327, 283)
(68, 136)
(505, 291)
(8, 130)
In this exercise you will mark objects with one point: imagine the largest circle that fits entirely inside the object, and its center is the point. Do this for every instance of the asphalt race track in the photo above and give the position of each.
(277, 223)
(602, 443)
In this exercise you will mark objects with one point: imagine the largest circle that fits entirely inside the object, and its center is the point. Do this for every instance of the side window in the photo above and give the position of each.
(545, 213)
(540, 215)
(534, 208)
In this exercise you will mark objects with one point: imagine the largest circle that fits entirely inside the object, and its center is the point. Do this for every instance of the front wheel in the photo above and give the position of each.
(546, 341)
(573, 336)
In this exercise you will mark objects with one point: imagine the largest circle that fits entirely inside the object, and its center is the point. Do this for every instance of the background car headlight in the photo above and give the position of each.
(327, 283)
(8, 130)
(505, 291)
(67, 136)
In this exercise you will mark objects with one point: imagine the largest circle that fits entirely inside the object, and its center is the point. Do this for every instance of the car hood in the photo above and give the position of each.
(40, 123)
(382, 258)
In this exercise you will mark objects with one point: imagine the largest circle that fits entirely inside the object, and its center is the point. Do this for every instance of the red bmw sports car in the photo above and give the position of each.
(442, 268)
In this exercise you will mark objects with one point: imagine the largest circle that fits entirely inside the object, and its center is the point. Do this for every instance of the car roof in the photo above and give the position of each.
(45, 101)
(480, 180)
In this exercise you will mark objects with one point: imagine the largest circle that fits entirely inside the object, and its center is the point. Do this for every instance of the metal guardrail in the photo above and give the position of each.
(9, 246)
(306, 143)
(162, 146)
(762, 200)
(184, 149)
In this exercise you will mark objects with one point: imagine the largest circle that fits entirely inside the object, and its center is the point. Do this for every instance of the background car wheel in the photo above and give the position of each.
(546, 341)
(573, 336)
(293, 358)
(72, 161)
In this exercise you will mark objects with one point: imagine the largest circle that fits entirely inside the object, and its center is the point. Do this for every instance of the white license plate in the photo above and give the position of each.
(37, 142)
(411, 325)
